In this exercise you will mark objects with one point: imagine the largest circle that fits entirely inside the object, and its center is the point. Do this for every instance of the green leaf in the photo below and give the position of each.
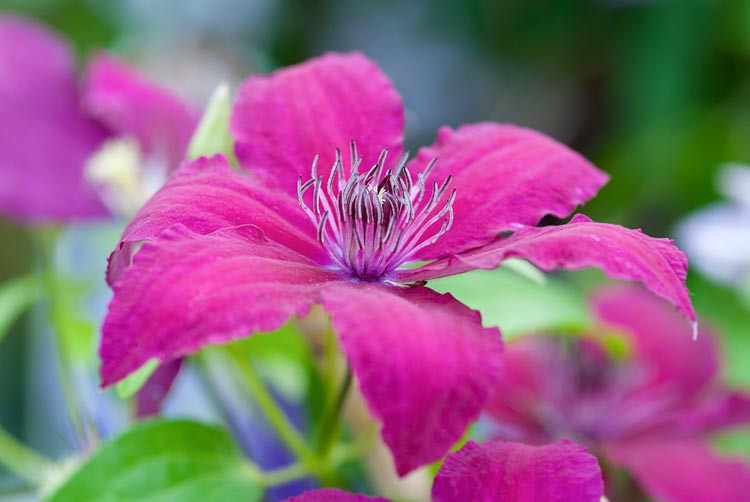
(76, 332)
(134, 381)
(517, 305)
(212, 134)
(15, 297)
(161, 461)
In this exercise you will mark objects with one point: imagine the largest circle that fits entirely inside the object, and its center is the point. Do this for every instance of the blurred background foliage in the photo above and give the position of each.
(656, 93)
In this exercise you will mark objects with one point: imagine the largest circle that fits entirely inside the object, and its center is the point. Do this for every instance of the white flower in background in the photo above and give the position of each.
(717, 237)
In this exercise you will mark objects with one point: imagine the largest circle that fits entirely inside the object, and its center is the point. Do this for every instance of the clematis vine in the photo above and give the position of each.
(75, 152)
(334, 213)
(499, 470)
(650, 412)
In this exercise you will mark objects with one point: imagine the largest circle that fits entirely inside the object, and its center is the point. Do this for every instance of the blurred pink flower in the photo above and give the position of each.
(496, 470)
(50, 128)
(650, 413)
(232, 254)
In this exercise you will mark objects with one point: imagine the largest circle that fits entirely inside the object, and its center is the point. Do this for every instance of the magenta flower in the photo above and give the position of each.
(51, 128)
(496, 471)
(232, 254)
(650, 414)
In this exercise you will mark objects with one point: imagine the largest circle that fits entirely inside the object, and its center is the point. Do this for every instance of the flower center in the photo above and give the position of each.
(123, 177)
(373, 222)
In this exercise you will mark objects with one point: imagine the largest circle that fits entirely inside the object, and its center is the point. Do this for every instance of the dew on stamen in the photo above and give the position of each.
(371, 223)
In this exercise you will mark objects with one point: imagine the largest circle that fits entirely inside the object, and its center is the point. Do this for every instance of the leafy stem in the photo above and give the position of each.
(284, 475)
(332, 416)
(274, 414)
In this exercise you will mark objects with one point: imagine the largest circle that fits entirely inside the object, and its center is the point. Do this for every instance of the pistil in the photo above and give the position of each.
(373, 222)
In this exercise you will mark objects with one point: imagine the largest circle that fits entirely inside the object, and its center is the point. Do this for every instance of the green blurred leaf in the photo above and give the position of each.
(163, 461)
(212, 135)
(517, 305)
(15, 297)
(134, 381)
(723, 311)
(735, 442)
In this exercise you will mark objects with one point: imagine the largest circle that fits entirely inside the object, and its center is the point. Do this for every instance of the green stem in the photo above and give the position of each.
(284, 475)
(22, 461)
(47, 239)
(330, 363)
(16, 296)
(274, 414)
(332, 416)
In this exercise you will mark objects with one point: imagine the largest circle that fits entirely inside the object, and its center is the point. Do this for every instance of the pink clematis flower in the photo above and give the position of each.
(231, 254)
(50, 128)
(650, 413)
(497, 471)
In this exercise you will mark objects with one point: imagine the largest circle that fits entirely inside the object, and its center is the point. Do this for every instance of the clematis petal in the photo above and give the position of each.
(517, 472)
(149, 398)
(282, 120)
(684, 471)
(662, 339)
(721, 408)
(45, 138)
(423, 360)
(505, 177)
(333, 495)
(186, 290)
(530, 363)
(206, 195)
(620, 252)
(130, 105)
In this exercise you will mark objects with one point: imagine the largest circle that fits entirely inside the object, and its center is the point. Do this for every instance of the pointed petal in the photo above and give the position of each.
(206, 195)
(662, 339)
(130, 105)
(185, 291)
(424, 363)
(505, 177)
(149, 398)
(498, 470)
(45, 138)
(333, 495)
(684, 471)
(282, 120)
(619, 252)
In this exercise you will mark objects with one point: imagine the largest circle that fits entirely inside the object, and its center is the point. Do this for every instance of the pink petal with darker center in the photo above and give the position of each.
(282, 120)
(423, 361)
(185, 291)
(505, 177)
(515, 472)
(206, 195)
(620, 252)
